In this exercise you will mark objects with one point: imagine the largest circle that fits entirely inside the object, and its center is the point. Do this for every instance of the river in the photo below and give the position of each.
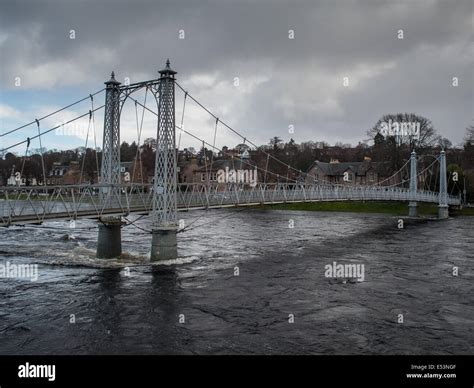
(246, 282)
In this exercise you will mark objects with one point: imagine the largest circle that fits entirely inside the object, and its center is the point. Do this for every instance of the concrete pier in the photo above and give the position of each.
(443, 212)
(109, 243)
(164, 244)
(412, 209)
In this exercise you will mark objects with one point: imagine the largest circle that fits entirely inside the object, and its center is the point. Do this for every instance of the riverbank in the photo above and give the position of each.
(394, 208)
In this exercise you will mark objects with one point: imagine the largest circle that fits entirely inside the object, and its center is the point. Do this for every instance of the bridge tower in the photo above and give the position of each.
(164, 228)
(443, 211)
(109, 242)
(412, 205)
(110, 169)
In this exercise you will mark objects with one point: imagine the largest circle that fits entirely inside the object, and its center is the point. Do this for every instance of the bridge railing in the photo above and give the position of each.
(39, 203)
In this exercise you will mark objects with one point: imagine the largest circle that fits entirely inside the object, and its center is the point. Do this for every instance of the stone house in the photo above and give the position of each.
(348, 173)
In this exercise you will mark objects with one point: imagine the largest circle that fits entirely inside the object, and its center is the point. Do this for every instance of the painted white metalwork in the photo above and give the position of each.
(443, 185)
(110, 169)
(165, 181)
(35, 204)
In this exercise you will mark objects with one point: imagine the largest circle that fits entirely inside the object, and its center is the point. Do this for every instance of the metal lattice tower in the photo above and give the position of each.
(413, 185)
(109, 241)
(110, 169)
(165, 182)
(443, 185)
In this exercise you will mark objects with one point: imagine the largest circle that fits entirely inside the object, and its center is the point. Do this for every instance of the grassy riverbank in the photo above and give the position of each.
(395, 208)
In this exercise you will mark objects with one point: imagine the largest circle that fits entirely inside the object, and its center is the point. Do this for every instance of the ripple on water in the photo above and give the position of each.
(281, 272)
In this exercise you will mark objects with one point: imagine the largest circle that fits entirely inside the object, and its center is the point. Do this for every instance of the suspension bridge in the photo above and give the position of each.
(115, 197)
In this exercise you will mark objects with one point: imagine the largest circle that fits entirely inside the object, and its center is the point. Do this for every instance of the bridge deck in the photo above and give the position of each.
(35, 204)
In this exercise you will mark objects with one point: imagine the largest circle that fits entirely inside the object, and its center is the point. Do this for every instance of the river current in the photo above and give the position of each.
(245, 282)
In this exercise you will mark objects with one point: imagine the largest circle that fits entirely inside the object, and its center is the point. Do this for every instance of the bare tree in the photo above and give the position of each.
(423, 137)
(469, 138)
(444, 143)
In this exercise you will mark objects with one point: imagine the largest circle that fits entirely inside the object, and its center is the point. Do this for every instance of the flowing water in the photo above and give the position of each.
(245, 282)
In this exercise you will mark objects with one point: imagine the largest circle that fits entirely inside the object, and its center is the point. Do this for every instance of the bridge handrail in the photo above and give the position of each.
(214, 185)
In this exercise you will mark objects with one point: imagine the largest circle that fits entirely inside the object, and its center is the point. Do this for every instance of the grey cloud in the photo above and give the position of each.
(250, 39)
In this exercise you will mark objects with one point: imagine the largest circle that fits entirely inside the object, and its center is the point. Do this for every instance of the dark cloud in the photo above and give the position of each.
(282, 81)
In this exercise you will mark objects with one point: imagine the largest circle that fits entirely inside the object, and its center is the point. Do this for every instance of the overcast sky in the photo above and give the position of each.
(281, 81)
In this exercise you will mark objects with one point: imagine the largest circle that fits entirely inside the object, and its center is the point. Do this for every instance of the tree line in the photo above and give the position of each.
(391, 148)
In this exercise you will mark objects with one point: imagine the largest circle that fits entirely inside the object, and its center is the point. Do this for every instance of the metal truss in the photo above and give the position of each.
(110, 169)
(165, 181)
(36, 204)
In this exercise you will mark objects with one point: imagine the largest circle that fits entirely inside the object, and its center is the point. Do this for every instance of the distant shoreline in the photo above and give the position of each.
(392, 207)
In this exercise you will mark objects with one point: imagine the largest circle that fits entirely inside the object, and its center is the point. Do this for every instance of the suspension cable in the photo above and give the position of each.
(51, 114)
(213, 143)
(138, 154)
(393, 175)
(231, 129)
(266, 168)
(49, 130)
(85, 148)
(24, 159)
(243, 137)
(95, 139)
(244, 161)
(182, 118)
(204, 142)
(41, 152)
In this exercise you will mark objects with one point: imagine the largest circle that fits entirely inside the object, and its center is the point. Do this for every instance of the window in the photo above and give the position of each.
(371, 176)
(213, 176)
(203, 177)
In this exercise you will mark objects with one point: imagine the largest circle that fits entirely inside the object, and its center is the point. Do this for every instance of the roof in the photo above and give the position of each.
(235, 164)
(334, 169)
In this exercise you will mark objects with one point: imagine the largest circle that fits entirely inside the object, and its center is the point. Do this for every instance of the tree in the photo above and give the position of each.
(414, 131)
(469, 137)
(128, 151)
(150, 142)
(444, 143)
(275, 142)
(396, 135)
(467, 161)
(90, 172)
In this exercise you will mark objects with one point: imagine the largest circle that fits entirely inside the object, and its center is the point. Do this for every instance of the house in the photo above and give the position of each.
(209, 172)
(186, 169)
(215, 170)
(62, 174)
(348, 173)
